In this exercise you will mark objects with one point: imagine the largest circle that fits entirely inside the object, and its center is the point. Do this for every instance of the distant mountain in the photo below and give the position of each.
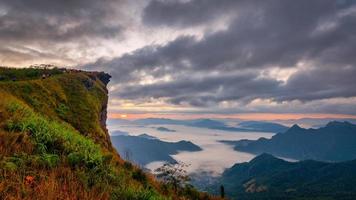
(144, 149)
(313, 122)
(206, 123)
(248, 126)
(201, 123)
(267, 177)
(147, 136)
(334, 142)
(164, 129)
(118, 132)
(153, 121)
(115, 121)
(214, 124)
(263, 126)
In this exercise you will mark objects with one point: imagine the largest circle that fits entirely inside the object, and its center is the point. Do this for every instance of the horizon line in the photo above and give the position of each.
(240, 116)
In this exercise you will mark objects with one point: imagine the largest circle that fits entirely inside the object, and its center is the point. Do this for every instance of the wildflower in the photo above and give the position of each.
(29, 180)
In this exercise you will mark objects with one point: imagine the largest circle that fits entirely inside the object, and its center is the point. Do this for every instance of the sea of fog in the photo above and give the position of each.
(215, 156)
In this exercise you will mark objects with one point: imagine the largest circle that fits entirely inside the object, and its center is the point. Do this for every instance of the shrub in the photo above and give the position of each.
(75, 159)
(17, 160)
(191, 192)
(62, 110)
(107, 158)
(131, 193)
(10, 166)
(140, 176)
(23, 161)
(173, 174)
(50, 160)
(128, 165)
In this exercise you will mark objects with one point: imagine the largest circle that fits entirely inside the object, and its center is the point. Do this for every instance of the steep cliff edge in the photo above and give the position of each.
(76, 97)
(54, 143)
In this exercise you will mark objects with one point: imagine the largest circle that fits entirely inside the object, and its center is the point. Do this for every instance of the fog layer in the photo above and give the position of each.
(214, 157)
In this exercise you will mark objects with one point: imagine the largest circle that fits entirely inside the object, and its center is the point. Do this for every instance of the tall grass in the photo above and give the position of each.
(57, 144)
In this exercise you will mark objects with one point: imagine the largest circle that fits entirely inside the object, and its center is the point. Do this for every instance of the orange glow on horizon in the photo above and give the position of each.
(243, 116)
(123, 116)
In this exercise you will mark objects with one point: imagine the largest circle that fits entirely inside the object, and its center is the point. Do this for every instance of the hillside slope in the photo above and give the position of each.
(54, 143)
(267, 177)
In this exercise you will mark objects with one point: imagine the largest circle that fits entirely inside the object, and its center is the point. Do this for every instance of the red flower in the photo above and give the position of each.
(29, 180)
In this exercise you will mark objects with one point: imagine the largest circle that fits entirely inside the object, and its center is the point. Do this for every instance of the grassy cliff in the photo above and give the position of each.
(54, 143)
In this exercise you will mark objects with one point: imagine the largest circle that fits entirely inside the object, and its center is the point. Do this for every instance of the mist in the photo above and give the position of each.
(215, 156)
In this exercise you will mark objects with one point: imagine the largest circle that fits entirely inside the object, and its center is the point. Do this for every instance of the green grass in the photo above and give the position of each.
(53, 137)
(55, 142)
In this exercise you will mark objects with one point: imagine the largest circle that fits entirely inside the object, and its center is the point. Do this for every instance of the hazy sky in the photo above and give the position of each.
(196, 57)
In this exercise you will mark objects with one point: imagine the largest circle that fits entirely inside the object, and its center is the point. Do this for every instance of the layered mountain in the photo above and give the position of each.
(154, 121)
(206, 123)
(314, 122)
(334, 142)
(267, 177)
(132, 147)
(263, 126)
(246, 126)
(164, 129)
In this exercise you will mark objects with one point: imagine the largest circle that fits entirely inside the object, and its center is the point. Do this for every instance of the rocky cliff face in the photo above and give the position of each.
(103, 115)
(105, 79)
(94, 81)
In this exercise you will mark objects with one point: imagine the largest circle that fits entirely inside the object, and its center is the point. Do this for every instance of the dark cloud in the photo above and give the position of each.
(320, 83)
(51, 21)
(272, 32)
(199, 12)
(306, 85)
(279, 33)
(315, 38)
(202, 91)
(185, 14)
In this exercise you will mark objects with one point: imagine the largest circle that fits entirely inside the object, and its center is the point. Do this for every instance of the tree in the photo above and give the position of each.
(127, 154)
(173, 174)
(222, 191)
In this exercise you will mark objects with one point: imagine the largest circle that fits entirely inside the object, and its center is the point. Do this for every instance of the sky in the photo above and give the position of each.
(271, 59)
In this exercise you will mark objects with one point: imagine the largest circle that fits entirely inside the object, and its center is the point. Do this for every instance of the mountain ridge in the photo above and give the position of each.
(334, 142)
(247, 126)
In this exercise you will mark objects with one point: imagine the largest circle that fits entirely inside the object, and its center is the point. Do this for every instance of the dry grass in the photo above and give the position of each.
(14, 143)
(59, 183)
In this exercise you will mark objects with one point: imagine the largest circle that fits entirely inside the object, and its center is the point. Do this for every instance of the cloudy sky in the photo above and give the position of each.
(194, 58)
